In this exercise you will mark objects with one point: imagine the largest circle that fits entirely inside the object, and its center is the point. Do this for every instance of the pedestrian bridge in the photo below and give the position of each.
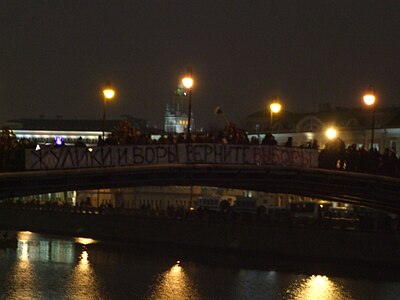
(361, 189)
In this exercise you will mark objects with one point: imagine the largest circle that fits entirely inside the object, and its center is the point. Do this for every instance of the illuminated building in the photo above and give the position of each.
(48, 131)
(176, 114)
(353, 126)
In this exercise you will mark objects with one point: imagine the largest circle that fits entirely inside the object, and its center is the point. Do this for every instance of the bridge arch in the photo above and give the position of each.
(373, 191)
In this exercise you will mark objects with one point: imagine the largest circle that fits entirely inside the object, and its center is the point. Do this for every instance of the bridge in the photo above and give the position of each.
(373, 191)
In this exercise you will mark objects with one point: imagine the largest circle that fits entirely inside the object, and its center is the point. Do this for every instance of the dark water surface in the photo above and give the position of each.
(48, 267)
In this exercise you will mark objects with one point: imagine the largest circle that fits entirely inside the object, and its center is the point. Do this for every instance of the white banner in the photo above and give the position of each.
(118, 156)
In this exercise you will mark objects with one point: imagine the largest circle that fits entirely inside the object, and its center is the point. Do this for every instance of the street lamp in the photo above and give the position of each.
(188, 83)
(370, 99)
(274, 107)
(331, 133)
(108, 93)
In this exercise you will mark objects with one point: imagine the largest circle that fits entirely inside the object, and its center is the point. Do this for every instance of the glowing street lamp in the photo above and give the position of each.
(331, 133)
(187, 82)
(369, 100)
(108, 93)
(275, 107)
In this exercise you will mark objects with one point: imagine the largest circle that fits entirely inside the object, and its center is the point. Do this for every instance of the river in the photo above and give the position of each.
(54, 267)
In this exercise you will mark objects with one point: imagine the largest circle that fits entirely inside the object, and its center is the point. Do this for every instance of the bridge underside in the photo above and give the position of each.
(373, 191)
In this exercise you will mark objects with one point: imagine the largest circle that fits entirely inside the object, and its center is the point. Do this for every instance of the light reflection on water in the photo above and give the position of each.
(174, 284)
(252, 284)
(317, 287)
(22, 279)
(31, 249)
(55, 268)
(83, 282)
(84, 241)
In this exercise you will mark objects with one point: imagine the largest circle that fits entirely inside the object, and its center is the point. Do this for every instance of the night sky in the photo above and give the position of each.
(56, 55)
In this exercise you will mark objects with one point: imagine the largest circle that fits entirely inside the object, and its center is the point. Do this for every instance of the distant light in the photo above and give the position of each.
(275, 107)
(84, 241)
(185, 94)
(331, 133)
(37, 147)
(309, 135)
(26, 232)
(178, 262)
(187, 82)
(59, 140)
(369, 99)
(109, 93)
(24, 235)
(90, 149)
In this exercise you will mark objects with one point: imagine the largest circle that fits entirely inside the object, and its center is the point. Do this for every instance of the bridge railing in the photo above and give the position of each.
(190, 153)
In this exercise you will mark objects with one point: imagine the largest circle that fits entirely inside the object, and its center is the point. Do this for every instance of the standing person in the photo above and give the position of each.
(79, 142)
(352, 158)
(314, 144)
(100, 141)
(289, 142)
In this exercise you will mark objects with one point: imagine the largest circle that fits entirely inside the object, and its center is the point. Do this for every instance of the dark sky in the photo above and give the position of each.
(55, 55)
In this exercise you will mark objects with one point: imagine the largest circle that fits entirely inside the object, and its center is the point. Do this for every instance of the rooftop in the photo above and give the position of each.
(71, 124)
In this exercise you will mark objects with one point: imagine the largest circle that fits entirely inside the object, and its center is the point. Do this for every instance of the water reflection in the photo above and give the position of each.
(23, 249)
(174, 284)
(317, 287)
(83, 283)
(45, 267)
(22, 282)
(31, 247)
(251, 284)
(84, 258)
(33, 252)
(84, 241)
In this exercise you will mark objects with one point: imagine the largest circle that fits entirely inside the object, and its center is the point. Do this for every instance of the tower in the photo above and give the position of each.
(176, 113)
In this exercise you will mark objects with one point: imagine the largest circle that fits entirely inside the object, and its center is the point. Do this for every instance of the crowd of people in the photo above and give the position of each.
(334, 155)
(124, 134)
(231, 134)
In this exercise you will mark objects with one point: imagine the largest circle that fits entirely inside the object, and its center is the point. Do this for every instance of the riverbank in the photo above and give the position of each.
(244, 239)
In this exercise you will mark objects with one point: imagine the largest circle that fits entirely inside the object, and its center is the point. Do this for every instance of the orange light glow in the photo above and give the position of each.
(187, 82)
(275, 107)
(331, 133)
(369, 99)
(108, 93)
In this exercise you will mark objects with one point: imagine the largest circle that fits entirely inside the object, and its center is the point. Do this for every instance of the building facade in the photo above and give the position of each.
(176, 113)
(49, 131)
(353, 125)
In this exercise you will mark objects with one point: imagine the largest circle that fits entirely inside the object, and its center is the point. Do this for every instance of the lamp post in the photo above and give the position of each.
(274, 107)
(108, 93)
(188, 83)
(369, 99)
